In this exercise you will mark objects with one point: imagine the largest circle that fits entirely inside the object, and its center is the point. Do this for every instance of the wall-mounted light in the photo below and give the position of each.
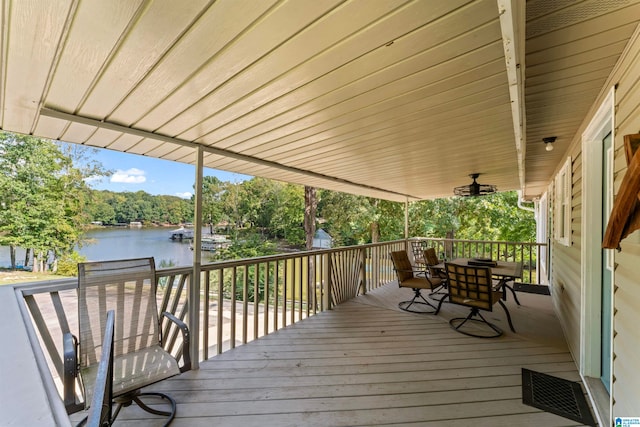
(548, 142)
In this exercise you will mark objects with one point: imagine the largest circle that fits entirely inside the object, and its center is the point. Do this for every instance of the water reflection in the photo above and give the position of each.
(119, 243)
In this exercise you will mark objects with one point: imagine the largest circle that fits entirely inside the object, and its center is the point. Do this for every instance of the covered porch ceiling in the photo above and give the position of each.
(392, 99)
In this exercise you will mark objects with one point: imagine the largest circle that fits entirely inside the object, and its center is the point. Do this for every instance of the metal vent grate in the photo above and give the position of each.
(555, 395)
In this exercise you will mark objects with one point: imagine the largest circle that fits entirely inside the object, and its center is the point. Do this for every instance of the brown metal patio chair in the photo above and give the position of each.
(417, 250)
(408, 278)
(128, 287)
(431, 260)
(472, 286)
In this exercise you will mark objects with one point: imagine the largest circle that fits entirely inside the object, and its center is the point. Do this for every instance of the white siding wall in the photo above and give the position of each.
(566, 265)
(626, 343)
(566, 270)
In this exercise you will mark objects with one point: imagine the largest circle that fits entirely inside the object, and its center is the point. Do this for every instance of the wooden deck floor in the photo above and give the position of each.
(366, 363)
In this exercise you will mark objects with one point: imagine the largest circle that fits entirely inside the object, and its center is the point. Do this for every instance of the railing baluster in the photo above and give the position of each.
(276, 296)
(205, 314)
(293, 291)
(245, 303)
(300, 288)
(232, 324)
(265, 299)
(285, 288)
(219, 317)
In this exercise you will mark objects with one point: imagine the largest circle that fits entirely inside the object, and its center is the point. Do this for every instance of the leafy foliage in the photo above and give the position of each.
(68, 264)
(42, 195)
(494, 217)
(113, 208)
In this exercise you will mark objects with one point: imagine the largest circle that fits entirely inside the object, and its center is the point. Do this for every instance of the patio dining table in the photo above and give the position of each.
(503, 271)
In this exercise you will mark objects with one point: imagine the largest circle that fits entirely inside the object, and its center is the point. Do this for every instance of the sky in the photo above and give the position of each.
(133, 172)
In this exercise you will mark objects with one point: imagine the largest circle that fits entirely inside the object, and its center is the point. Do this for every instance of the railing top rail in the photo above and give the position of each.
(270, 258)
(502, 242)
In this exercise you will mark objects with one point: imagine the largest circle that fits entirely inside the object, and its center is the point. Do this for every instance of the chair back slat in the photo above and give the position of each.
(470, 285)
(402, 265)
(430, 256)
(127, 287)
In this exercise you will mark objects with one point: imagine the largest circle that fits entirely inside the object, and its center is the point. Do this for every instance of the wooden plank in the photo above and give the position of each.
(250, 44)
(623, 220)
(307, 45)
(152, 36)
(327, 71)
(218, 26)
(368, 363)
(437, 414)
(631, 145)
(94, 36)
(33, 29)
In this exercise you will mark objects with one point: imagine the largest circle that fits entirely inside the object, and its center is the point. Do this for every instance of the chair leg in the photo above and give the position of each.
(440, 290)
(456, 324)
(406, 305)
(128, 398)
(440, 303)
(504, 307)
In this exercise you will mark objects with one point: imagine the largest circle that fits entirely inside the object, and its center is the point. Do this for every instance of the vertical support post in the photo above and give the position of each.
(194, 289)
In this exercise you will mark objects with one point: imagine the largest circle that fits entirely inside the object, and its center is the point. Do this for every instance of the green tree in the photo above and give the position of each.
(288, 216)
(42, 198)
(342, 215)
(212, 191)
(109, 208)
(353, 220)
(493, 217)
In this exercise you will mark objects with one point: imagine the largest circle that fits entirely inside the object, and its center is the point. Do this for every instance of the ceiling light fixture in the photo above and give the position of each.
(548, 142)
(474, 189)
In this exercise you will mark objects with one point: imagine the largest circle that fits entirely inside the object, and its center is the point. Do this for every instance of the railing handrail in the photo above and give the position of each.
(270, 258)
(505, 242)
(532, 254)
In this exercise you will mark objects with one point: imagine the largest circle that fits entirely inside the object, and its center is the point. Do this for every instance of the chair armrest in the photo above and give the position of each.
(414, 269)
(100, 410)
(70, 373)
(186, 339)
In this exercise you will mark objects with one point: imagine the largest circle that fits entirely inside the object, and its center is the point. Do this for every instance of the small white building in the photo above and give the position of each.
(322, 240)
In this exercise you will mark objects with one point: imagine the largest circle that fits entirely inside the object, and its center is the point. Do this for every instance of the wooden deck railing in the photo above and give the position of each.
(243, 300)
(240, 300)
(532, 255)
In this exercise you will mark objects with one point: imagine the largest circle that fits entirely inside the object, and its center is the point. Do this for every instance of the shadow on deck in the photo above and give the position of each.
(366, 363)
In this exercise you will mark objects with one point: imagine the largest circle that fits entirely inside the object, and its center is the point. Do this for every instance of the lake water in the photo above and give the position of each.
(120, 243)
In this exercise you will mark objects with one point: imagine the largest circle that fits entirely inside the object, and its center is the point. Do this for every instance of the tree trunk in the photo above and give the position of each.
(27, 256)
(12, 254)
(310, 206)
(448, 245)
(375, 232)
(36, 261)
